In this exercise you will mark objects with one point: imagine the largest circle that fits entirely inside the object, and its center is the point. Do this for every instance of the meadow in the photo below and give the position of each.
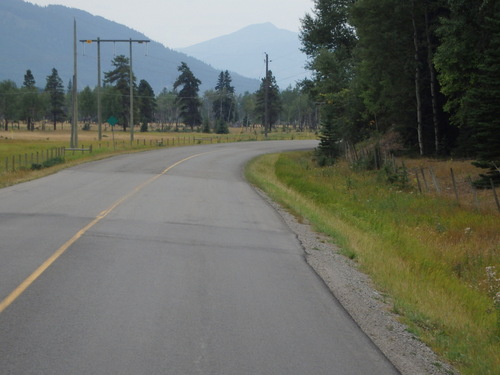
(435, 259)
(21, 150)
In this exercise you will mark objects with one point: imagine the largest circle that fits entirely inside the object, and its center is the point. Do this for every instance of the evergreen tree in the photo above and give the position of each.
(273, 101)
(482, 105)
(386, 80)
(463, 39)
(206, 125)
(328, 149)
(29, 80)
(55, 89)
(187, 97)
(223, 105)
(147, 104)
(31, 102)
(120, 78)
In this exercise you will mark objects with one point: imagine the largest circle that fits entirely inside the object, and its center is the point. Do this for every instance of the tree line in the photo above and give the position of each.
(182, 107)
(427, 70)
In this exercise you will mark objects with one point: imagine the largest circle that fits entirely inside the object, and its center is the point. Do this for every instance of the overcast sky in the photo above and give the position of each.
(182, 23)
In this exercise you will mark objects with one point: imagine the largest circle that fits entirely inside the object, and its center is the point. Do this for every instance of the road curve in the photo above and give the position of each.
(165, 262)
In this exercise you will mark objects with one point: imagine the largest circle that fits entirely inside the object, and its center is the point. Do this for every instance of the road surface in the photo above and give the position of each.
(165, 262)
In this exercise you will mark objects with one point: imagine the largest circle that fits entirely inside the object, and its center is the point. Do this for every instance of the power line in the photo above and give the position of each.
(99, 41)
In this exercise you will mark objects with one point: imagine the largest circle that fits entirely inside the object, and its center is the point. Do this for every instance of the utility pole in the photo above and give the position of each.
(266, 97)
(99, 108)
(74, 125)
(130, 41)
(131, 84)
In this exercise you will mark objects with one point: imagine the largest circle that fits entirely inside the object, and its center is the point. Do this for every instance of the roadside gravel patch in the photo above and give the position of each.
(369, 308)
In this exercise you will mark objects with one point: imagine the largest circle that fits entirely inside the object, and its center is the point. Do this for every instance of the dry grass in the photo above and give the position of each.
(20, 148)
(463, 171)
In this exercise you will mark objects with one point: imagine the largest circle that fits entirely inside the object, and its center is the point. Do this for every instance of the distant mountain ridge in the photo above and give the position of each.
(244, 52)
(41, 38)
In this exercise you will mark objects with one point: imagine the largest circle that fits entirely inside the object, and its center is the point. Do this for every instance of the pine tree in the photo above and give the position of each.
(147, 104)
(273, 97)
(55, 89)
(31, 102)
(223, 105)
(462, 42)
(29, 80)
(120, 78)
(187, 97)
(482, 105)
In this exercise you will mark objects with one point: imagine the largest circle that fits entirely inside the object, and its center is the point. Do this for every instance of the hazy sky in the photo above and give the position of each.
(181, 23)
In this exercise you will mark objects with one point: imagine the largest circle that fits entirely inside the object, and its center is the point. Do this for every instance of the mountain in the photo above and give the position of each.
(244, 52)
(41, 38)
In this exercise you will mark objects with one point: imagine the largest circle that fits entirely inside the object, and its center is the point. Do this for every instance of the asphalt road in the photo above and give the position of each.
(165, 262)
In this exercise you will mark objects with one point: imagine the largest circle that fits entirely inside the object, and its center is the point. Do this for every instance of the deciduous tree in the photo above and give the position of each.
(8, 101)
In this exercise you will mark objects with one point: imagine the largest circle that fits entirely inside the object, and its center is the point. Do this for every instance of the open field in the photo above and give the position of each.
(436, 260)
(21, 149)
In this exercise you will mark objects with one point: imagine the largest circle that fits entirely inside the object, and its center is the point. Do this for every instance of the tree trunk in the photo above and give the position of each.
(432, 72)
(417, 83)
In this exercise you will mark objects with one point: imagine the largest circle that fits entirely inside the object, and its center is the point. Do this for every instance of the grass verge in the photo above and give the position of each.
(436, 259)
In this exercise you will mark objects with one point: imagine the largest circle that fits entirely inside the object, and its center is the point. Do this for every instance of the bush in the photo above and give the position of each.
(47, 163)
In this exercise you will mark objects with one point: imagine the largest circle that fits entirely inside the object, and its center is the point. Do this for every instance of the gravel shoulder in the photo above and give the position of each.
(367, 306)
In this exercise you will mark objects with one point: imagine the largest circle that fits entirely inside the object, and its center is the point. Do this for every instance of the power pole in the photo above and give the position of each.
(130, 41)
(99, 108)
(74, 126)
(266, 97)
(131, 84)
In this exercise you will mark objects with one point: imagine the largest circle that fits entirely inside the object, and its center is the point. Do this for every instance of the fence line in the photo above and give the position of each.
(463, 189)
(460, 187)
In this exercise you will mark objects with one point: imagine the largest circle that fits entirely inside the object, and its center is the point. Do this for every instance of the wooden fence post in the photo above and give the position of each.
(425, 180)
(495, 193)
(418, 181)
(474, 193)
(454, 185)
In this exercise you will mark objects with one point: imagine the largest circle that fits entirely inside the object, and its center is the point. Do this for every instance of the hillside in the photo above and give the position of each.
(41, 38)
(243, 52)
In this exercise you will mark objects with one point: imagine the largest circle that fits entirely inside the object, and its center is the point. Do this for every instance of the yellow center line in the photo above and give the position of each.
(45, 265)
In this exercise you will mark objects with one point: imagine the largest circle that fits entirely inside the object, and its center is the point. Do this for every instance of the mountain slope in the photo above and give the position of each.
(244, 52)
(41, 38)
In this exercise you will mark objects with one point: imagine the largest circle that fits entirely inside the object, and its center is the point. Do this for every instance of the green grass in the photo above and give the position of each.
(429, 254)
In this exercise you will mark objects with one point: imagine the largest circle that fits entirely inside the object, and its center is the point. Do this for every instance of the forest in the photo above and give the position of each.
(426, 70)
